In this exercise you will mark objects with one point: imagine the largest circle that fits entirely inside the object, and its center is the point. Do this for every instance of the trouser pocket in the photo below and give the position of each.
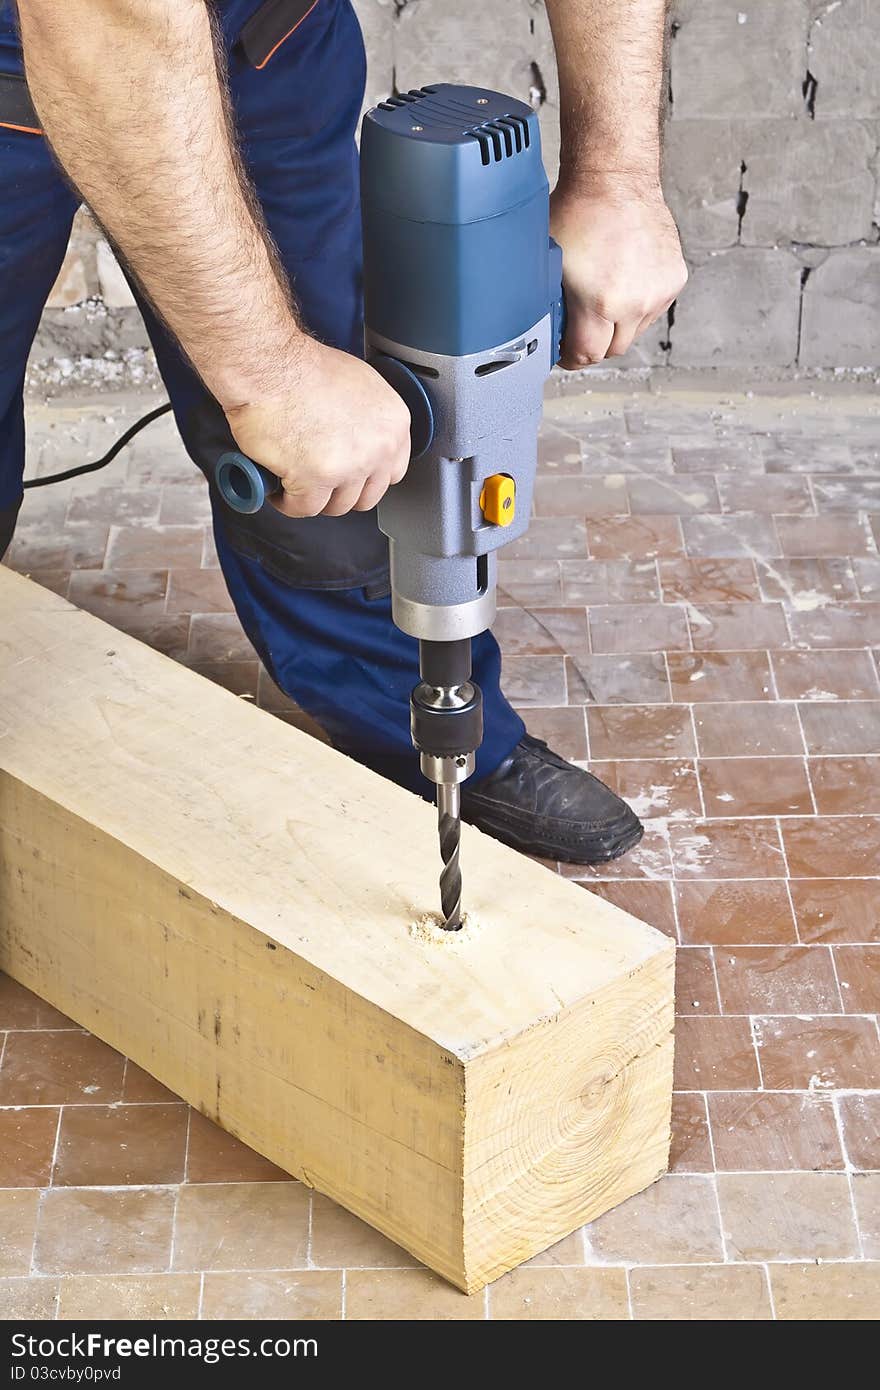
(271, 26)
(16, 108)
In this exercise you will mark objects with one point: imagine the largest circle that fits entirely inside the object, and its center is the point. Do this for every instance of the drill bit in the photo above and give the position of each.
(449, 826)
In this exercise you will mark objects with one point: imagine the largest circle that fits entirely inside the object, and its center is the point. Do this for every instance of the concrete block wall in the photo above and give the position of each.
(772, 162)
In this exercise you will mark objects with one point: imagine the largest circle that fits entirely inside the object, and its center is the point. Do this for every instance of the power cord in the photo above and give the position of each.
(110, 454)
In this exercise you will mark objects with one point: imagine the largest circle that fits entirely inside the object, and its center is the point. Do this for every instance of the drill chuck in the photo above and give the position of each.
(446, 712)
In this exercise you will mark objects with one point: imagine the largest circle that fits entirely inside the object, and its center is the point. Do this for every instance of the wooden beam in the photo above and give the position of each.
(232, 904)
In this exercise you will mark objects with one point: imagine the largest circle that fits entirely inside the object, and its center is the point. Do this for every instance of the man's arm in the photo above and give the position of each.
(132, 99)
(621, 254)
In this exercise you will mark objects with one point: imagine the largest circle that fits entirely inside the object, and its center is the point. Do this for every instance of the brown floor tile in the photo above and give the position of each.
(806, 581)
(843, 675)
(734, 913)
(609, 581)
(130, 1297)
(649, 902)
(73, 546)
(57, 1068)
(23, 1300)
(123, 505)
(714, 1054)
(730, 537)
(569, 1295)
(845, 847)
(185, 504)
(839, 494)
(742, 787)
(777, 980)
(238, 677)
(837, 625)
(581, 496)
(743, 730)
(827, 1053)
(672, 495)
(654, 787)
(866, 572)
(215, 1156)
(842, 726)
(695, 990)
(757, 1132)
(860, 1123)
(121, 1145)
(536, 583)
(691, 457)
(634, 537)
(783, 495)
(218, 637)
(640, 731)
(169, 635)
(520, 632)
(110, 594)
(823, 535)
(866, 1198)
(858, 969)
(93, 1231)
(558, 451)
(340, 1240)
(18, 1220)
(737, 626)
(27, 1142)
(565, 729)
(535, 680)
(801, 454)
(197, 591)
(405, 1295)
(568, 1251)
(155, 547)
(826, 1292)
(242, 1226)
(309, 1294)
(550, 538)
(706, 677)
(691, 1150)
(270, 696)
(787, 1216)
(139, 1086)
(846, 786)
(675, 1221)
(19, 1008)
(712, 1293)
(639, 627)
(837, 909)
(726, 849)
(637, 679)
(708, 581)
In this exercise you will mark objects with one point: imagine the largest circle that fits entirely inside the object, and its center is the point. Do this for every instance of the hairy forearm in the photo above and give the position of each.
(610, 60)
(133, 103)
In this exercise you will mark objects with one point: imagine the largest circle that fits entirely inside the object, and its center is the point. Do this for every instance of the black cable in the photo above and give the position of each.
(110, 454)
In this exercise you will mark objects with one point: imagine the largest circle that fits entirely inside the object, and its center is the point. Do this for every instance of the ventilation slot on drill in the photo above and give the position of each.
(501, 138)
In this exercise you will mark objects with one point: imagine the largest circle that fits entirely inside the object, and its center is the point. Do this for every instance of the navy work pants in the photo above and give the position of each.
(312, 594)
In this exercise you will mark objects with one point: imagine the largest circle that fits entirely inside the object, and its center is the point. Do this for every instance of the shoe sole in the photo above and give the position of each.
(592, 849)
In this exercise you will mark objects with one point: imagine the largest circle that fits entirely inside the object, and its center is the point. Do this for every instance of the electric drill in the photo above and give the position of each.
(464, 317)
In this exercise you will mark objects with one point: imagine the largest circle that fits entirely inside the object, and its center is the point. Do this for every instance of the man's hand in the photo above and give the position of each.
(337, 434)
(622, 263)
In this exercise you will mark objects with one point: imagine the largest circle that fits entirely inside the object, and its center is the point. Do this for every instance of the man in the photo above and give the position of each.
(214, 140)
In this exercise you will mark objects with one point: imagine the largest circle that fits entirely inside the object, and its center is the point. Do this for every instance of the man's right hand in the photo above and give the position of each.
(338, 436)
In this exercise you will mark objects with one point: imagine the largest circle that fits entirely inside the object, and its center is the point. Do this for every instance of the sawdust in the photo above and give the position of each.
(428, 930)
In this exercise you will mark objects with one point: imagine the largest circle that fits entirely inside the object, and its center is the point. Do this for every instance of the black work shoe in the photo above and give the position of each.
(538, 803)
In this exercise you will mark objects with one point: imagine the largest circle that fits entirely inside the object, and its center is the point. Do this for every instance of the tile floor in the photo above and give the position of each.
(696, 613)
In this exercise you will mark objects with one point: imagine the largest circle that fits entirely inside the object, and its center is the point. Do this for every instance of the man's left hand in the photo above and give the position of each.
(622, 262)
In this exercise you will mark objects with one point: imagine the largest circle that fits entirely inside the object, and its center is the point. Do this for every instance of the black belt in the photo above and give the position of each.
(16, 108)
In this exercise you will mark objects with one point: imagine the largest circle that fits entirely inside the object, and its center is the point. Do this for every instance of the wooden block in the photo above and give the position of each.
(232, 905)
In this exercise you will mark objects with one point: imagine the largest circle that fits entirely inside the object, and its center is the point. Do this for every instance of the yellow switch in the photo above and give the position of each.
(498, 499)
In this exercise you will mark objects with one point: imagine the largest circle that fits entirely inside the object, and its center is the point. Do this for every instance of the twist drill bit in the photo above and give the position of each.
(449, 827)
